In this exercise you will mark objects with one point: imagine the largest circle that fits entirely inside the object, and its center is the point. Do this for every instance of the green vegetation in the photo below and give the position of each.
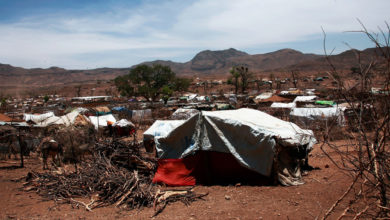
(151, 82)
(46, 98)
(239, 72)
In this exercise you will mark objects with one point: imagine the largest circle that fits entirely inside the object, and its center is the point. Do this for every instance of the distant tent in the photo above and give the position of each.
(324, 102)
(141, 115)
(5, 118)
(182, 113)
(283, 105)
(38, 118)
(320, 113)
(305, 98)
(101, 121)
(67, 120)
(275, 98)
(123, 127)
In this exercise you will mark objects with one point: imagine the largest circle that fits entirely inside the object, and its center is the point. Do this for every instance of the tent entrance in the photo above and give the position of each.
(207, 168)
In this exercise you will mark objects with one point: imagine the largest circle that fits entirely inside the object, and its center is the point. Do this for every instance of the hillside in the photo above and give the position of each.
(205, 63)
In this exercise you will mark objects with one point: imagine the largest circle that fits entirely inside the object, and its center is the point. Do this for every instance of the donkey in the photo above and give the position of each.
(50, 147)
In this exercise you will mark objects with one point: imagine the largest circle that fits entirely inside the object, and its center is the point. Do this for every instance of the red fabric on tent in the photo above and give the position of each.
(175, 172)
(205, 167)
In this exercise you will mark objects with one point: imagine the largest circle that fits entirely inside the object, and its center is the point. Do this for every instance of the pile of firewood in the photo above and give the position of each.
(112, 177)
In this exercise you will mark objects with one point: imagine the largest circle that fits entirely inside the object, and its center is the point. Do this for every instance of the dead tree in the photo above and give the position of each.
(366, 156)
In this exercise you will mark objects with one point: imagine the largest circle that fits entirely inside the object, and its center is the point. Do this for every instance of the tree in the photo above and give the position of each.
(240, 72)
(46, 98)
(235, 76)
(294, 78)
(182, 84)
(78, 90)
(150, 82)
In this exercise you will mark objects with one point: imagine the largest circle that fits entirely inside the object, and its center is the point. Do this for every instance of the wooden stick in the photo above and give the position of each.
(360, 213)
(128, 192)
(85, 205)
(341, 198)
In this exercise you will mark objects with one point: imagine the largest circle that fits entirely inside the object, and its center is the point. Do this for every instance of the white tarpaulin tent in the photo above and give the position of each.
(305, 98)
(251, 136)
(101, 121)
(123, 123)
(161, 128)
(140, 115)
(283, 105)
(264, 95)
(316, 113)
(66, 120)
(183, 113)
(37, 118)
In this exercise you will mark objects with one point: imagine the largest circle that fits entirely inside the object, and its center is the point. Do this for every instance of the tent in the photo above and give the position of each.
(264, 95)
(222, 145)
(38, 118)
(275, 98)
(308, 98)
(283, 105)
(320, 113)
(141, 115)
(183, 113)
(123, 127)
(159, 128)
(67, 120)
(101, 121)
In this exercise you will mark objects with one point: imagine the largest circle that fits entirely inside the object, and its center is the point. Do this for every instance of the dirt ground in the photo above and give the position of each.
(323, 187)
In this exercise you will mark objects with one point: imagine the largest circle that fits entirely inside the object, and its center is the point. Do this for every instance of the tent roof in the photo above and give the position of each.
(275, 98)
(5, 118)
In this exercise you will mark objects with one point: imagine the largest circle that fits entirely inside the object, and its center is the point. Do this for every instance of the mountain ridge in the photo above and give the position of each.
(204, 63)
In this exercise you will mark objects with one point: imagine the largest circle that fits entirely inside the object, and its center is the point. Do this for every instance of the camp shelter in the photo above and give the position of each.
(102, 110)
(141, 115)
(123, 127)
(283, 105)
(230, 145)
(159, 128)
(101, 121)
(267, 102)
(264, 95)
(37, 118)
(183, 113)
(4, 118)
(302, 98)
(325, 102)
(66, 120)
(276, 98)
(320, 114)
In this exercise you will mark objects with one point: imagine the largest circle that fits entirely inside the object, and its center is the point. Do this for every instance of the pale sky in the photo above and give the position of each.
(81, 34)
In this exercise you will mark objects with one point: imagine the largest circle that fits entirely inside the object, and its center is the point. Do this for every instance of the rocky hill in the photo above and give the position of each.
(205, 63)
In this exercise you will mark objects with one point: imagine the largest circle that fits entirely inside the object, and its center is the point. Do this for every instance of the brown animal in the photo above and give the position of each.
(50, 147)
(10, 145)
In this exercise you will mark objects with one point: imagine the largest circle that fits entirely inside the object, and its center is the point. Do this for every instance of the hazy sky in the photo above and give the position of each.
(80, 34)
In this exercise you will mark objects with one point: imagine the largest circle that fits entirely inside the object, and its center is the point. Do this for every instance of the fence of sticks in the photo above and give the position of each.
(117, 174)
